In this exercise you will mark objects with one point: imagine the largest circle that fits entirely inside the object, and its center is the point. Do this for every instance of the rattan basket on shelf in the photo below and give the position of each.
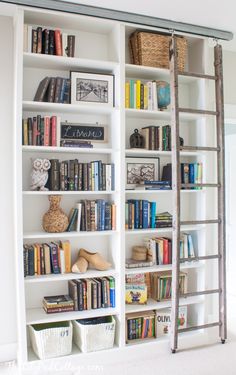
(152, 49)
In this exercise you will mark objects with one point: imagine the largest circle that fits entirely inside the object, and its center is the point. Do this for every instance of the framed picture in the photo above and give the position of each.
(92, 88)
(79, 132)
(139, 169)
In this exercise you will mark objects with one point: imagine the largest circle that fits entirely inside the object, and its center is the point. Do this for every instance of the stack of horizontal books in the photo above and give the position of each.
(56, 304)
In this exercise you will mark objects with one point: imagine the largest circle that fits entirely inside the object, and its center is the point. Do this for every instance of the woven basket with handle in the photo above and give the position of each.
(151, 49)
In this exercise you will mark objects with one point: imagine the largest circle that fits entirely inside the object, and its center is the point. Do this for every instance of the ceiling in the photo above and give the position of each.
(202, 12)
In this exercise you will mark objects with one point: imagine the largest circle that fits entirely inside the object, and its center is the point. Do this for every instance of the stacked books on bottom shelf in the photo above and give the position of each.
(92, 293)
(56, 304)
(141, 325)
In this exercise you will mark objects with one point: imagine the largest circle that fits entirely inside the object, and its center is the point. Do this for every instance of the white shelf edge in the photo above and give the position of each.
(45, 235)
(88, 192)
(160, 152)
(38, 315)
(162, 191)
(69, 276)
(164, 230)
(73, 150)
(29, 105)
(154, 305)
(65, 63)
(164, 267)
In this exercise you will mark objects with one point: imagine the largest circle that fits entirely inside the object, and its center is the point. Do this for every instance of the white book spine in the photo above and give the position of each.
(160, 139)
(108, 177)
(79, 206)
(58, 131)
(29, 34)
(154, 96)
(25, 48)
(62, 261)
(149, 84)
(64, 44)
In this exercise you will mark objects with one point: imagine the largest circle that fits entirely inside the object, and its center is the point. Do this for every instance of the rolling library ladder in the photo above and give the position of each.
(177, 185)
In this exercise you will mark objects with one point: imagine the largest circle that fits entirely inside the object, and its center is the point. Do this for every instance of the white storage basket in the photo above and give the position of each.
(93, 337)
(52, 339)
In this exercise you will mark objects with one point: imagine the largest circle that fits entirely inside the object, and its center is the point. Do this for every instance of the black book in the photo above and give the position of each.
(76, 178)
(80, 295)
(71, 45)
(42, 131)
(34, 41)
(58, 89)
(71, 175)
(66, 96)
(42, 89)
(54, 175)
(39, 39)
(51, 90)
(167, 173)
(45, 42)
(31, 260)
(38, 130)
(51, 48)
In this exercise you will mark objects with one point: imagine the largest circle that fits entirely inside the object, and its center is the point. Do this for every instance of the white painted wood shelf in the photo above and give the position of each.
(156, 231)
(58, 192)
(69, 150)
(45, 107)
(47, 236)
(163, 267)
(162, 115)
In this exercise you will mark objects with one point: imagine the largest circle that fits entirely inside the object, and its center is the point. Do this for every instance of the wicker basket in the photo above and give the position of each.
(52, 339)
(151, 49)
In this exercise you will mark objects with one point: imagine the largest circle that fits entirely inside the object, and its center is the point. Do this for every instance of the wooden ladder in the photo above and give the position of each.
(176, 187)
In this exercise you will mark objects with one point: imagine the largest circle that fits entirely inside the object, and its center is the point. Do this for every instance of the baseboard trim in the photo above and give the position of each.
(8, 352)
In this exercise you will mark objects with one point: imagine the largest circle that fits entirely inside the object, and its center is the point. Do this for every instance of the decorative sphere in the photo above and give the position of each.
(163, 94)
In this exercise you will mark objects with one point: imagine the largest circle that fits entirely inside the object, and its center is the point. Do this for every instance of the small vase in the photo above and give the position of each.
(55, 220)
(163, 94)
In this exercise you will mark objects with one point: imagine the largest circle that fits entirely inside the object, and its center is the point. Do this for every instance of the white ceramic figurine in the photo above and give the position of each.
(39, 175)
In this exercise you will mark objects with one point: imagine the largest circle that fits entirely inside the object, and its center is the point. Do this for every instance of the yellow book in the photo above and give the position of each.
(25, 132)
(136, 294)
(138, 94)
(65, 245)
(145, 97)
(35, 260)
(127, 91)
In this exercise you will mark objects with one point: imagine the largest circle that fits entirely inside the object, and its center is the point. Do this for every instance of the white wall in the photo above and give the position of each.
(7, 279)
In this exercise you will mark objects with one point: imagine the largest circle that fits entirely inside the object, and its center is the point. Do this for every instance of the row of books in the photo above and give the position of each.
(47, 258)
(40, 131)
(141, 327)
(53, 90)
(71, 175)
(141, 214)
(161, 282)
(191, 173)
(48, 42)
(157, 137)
(94, 293)
(141, 95)
(92, 215)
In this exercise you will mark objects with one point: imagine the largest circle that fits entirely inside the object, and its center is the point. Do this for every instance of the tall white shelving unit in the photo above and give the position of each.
(102, 46)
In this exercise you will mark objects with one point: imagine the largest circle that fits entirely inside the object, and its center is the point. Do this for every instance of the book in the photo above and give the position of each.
(58, 43)
(136, 294)
(163, 318)
(42, 89)
(65, 245)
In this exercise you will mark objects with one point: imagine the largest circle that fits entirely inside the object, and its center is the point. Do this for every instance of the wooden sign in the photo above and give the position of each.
(83, 132)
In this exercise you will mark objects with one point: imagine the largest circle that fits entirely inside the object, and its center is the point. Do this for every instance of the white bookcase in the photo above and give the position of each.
(102, 46)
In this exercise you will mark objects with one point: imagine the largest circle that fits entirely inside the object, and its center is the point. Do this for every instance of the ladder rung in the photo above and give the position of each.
(201, 185)
(199, 148)
(195, 222)
(202, 326)
(198, 111)
(204, 257)
(197, 75)
(200, 293)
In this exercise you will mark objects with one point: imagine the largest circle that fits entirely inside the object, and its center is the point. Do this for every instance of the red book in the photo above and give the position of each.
(46, 131)
(165, 251)
(58, 43)
(53, 130)
(170, 251)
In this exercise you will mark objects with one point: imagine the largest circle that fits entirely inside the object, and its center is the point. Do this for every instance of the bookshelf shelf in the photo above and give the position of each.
(165, 267)
(45, 107)
(154, 305)
(86, 192)
(38, 316)
(44, 235)
(69, 276)
(35, 60)
(65, 150)
(101, 47)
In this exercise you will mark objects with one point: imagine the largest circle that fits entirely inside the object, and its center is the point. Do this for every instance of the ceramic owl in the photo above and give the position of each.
(39, 175)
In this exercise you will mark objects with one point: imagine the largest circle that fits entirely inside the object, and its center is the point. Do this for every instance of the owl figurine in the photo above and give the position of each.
(39, 175)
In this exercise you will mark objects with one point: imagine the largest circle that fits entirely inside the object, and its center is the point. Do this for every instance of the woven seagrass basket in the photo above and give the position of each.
(151, 49)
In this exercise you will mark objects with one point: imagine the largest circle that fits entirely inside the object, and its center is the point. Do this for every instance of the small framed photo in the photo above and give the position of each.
(139, 169)
(92, 88)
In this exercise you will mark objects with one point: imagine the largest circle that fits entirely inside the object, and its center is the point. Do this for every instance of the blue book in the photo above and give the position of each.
(152, 214)
(63, 89)
(191, 173)
(156, 182)
(112, 176)
(99, 227)
(107, 216)
(145, 213)
(136, 214)
(102, 214)
(112, 291)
